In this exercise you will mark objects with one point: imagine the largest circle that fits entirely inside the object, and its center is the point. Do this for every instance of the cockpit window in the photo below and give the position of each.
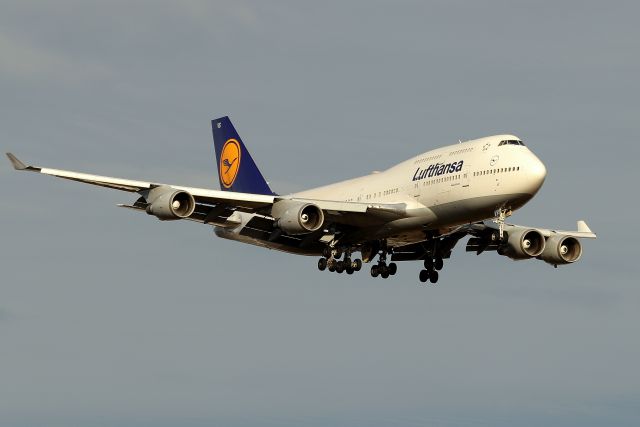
(511, 142)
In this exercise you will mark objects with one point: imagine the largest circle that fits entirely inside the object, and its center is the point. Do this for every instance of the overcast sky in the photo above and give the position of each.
(112, 318)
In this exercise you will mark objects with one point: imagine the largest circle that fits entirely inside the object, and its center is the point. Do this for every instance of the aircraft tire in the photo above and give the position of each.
(428, 264)
(339, 267)
(393, 269)
(438, 264)
(326, 252)
(374, 271)
(322, 264)
(424, 275)
(433, 277)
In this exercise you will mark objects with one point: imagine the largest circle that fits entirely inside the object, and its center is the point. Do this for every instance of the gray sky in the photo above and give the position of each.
(112, 318)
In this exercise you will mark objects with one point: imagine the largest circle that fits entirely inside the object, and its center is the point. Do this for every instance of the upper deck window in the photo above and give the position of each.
(511, 142)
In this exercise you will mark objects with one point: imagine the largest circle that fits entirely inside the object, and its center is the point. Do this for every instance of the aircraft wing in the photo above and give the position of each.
(214, 206)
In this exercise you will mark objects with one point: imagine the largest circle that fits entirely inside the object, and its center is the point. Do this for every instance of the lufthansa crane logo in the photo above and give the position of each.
(229, 162)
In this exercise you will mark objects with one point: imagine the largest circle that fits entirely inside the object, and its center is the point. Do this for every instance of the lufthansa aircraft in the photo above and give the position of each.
(415, 211)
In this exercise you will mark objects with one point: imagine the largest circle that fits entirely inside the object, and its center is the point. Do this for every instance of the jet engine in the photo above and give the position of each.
(167, 203)
(561, 250)
(295, 217)
(522, 243)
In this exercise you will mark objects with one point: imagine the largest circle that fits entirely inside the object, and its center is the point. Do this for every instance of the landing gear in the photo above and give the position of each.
(501, 214)
(431, 268)
(382, 269)
(428, 275)
(331, 261)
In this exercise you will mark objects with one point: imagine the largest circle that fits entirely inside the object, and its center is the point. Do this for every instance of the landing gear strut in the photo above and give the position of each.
(501, 214)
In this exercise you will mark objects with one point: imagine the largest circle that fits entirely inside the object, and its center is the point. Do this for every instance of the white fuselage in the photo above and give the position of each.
(451, 185)
(439, 190)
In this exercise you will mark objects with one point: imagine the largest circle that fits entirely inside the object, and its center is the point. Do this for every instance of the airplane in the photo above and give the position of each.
(417, 210)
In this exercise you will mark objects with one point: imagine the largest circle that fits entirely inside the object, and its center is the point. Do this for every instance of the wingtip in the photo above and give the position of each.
(17, 164)
(583, 227)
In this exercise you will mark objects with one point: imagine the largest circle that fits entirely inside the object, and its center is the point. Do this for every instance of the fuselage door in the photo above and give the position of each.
(466, 178)
(415, 189)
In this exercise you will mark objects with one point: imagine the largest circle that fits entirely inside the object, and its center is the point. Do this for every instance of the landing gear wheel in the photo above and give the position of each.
(349, 270)
(385, 272)
(439, 263)
(347, 260)
(375, 271)
(424, 275)
(326, 252)
(339, 267)
(393, 269)
(331, 265)
(433, 277)
(428, 264)
(336, 252)
(357, 265)
(322, 264)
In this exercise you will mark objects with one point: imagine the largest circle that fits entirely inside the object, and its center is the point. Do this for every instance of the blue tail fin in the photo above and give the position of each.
(236, 169)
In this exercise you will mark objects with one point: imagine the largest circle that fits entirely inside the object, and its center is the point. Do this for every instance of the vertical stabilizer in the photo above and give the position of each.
(236, 169)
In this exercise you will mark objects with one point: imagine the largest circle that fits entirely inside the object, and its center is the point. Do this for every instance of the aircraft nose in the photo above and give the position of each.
(537, 173)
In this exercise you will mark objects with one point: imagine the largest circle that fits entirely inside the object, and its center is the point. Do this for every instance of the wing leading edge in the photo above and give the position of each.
(247, 202)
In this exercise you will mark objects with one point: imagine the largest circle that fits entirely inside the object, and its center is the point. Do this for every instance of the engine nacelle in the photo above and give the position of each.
(167, 203)
(294, 217)
(561, 250)
(522, 243)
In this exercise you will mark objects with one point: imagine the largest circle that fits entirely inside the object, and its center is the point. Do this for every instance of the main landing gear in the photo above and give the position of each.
(431, 268)
(382, 269)
(331, 261)
(338, 259)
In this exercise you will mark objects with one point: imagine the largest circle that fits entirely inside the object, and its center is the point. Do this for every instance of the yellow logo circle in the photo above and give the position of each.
(229, 162)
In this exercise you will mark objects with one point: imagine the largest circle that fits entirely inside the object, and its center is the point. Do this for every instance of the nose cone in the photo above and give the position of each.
(536, 173)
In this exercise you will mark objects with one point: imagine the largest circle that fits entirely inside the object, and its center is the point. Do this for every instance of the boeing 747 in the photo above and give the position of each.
(417, 210)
